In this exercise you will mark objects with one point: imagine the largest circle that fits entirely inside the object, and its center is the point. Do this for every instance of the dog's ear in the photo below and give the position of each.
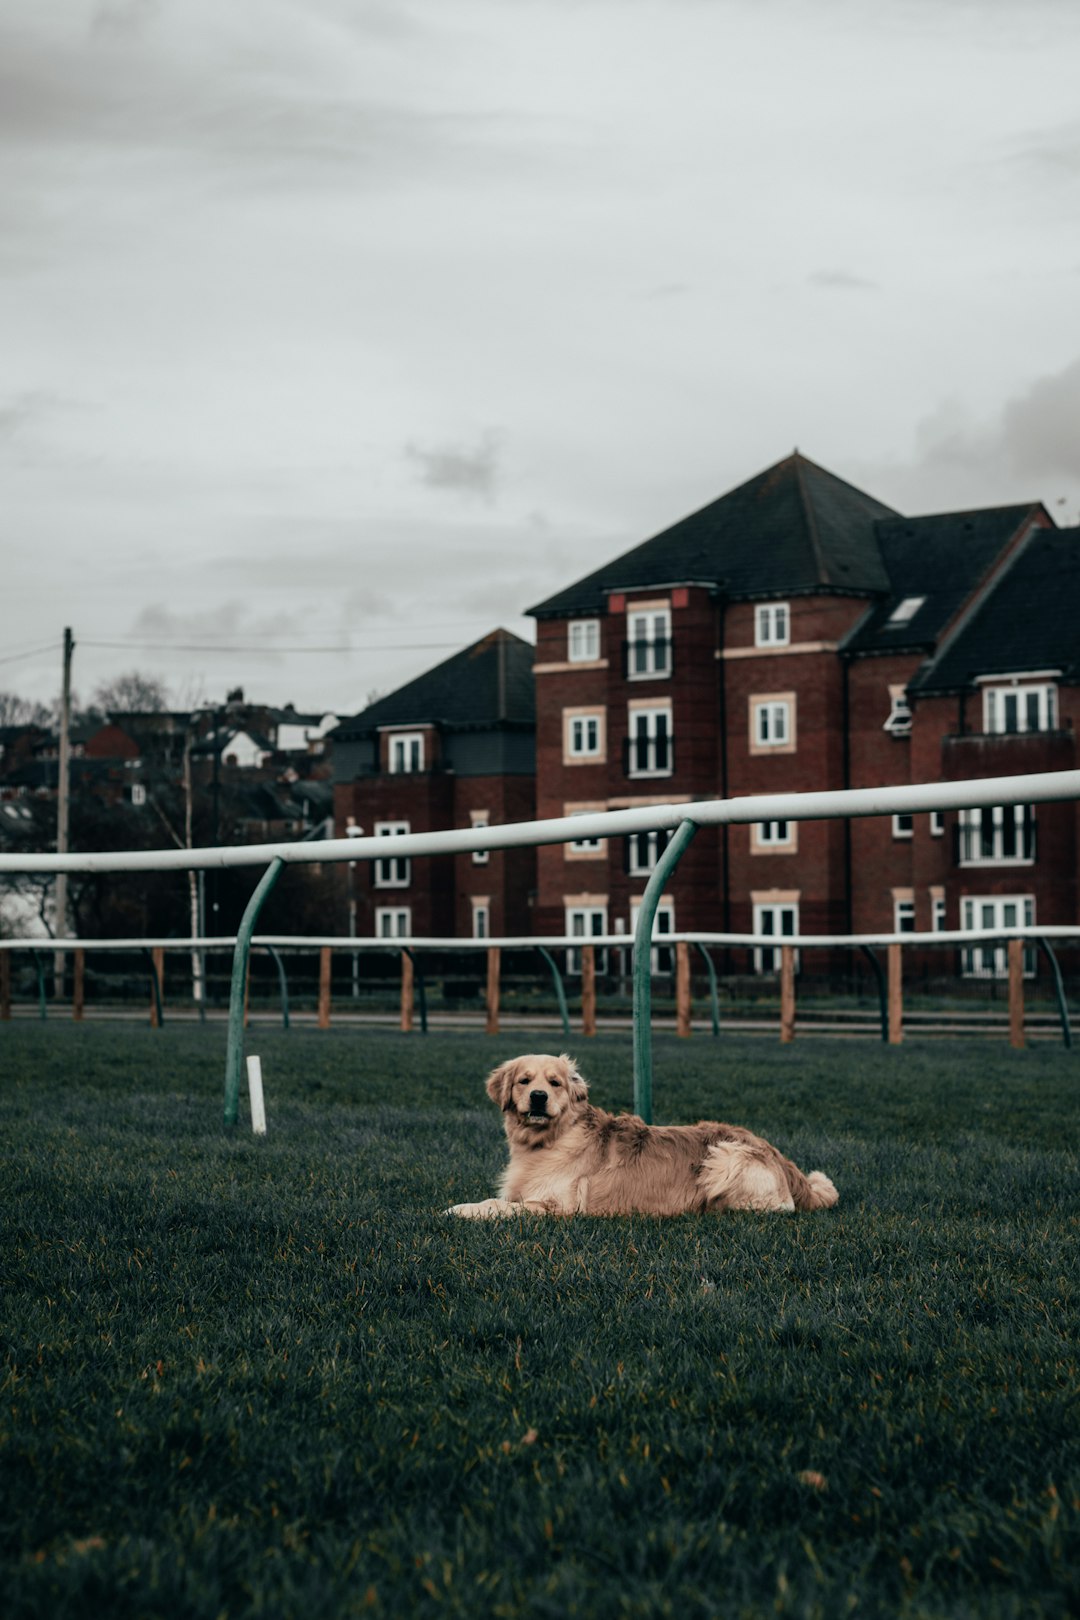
(576, 1083)
(500, 1083)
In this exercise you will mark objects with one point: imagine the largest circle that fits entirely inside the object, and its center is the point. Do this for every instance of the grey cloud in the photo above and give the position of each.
(842, 281)
(455, 467)
(1041, 430)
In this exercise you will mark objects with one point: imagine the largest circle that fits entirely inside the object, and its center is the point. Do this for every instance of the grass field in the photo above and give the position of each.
(267, 1377)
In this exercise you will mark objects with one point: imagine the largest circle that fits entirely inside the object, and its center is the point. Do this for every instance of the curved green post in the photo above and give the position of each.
(714, 992)
(283, 984)
(556, 976)
(883, 994)
(1063, 1006)
(234, 1051)
(643, 942)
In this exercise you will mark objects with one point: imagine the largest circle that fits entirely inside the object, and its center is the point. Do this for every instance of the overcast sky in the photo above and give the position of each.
(363, 325)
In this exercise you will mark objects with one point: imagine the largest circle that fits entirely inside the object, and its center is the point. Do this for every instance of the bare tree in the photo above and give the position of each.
(20, 711)
(133, 693)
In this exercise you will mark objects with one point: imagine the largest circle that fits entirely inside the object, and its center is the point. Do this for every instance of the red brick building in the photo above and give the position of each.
(453, 748)
(797, 635)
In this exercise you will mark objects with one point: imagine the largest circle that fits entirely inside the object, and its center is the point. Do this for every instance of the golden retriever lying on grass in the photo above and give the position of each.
(569, 1158)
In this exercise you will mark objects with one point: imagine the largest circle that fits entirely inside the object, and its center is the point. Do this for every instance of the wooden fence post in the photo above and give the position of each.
(1016, 994)
(325, 955)
(5, 985)
(494, 967)
(78, 989)
(407, 993)
(588, 989)
(787, 993)
(157, 957)
(682, 988)
(896, 994)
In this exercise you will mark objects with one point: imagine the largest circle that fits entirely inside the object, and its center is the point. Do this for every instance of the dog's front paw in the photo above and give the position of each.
(488, 1209)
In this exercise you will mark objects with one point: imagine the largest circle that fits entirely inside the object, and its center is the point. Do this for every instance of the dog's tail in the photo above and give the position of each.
(813, 1191)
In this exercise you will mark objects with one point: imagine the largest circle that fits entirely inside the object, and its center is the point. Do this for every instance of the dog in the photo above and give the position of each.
(569, 1158)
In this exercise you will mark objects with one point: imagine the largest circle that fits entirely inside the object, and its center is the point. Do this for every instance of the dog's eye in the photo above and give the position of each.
(551, 1080)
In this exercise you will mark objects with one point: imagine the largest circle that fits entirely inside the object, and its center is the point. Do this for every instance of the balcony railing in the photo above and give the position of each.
(649, 756)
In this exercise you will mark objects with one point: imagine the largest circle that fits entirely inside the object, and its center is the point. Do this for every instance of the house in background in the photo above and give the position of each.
(453, 748)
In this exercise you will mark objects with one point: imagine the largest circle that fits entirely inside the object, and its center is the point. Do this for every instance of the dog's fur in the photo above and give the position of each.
(569, 1158)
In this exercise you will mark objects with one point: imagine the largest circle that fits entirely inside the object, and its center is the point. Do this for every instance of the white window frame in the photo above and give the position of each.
(989, 960)
(393, 922)
(648, 642)
(661, 957)
(481, 917)
(585, 920)
(138, 793)
(770, 835)
(898, 723)
(1007, 702)
(903, 825)
(985, 832)
(583, 641)
(771, 912)
(937, 912)
(651, 735)
(643, 850)
(772, 723)
(904, 915)
(937, 823)
(904, 612)
(405, 753)
(480, 820)
(578, 744)
(772, 624)
(391, 871)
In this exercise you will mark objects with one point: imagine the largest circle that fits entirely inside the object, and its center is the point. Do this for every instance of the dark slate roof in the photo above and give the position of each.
(942, 558)
(794, 528)
(1029, 620)
(488, 684)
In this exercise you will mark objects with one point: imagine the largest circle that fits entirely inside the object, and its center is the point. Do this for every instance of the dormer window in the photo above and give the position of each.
(1020, 708)
(583, 641)
(406, 752)
(904, 612)
(772, 624)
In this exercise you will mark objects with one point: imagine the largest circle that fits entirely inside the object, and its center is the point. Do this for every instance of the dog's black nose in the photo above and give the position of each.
(538, 1102)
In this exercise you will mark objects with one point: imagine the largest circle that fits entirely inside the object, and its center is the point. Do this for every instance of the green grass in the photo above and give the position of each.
(266, 1377)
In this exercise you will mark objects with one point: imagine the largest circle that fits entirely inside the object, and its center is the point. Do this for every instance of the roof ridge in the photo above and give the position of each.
(811, 521)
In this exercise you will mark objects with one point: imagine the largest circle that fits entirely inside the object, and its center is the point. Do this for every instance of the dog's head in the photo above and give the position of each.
(538, 1090)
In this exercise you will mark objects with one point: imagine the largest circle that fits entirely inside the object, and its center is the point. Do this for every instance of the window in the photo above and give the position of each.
(773, 920)
(661, 958)
(393, 922)
(898, 723)
(991, 960)
(649, 746)
(481, 919)
(585, 849)
(480, 820)
(586, 921)
(772, 624)
(643, 851)
(904, 612)
(772, 723)
(1000, 835)
(138, 793)
(648, 648)
(903, 825)
(406, 752)
(774, 838)
(583, 736)
(392, 871)
(1019, 708)
(583, 641)
(903, 916)
(937, 823)
(937, 910)
(585, 846)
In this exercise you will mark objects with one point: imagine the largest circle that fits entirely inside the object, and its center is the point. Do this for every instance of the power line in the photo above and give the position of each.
(29, 652)
(266, 647)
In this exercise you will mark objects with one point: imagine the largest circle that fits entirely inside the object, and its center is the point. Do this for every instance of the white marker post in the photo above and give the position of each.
(255, 1090)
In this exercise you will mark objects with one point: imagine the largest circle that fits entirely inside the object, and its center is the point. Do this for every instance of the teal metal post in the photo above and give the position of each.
(556, 977)
(234, 1051)
(714, 992)
(1059, 986)
(283, 984)
(643, 941)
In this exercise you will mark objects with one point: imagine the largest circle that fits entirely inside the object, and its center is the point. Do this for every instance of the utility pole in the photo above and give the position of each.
(62, 809)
